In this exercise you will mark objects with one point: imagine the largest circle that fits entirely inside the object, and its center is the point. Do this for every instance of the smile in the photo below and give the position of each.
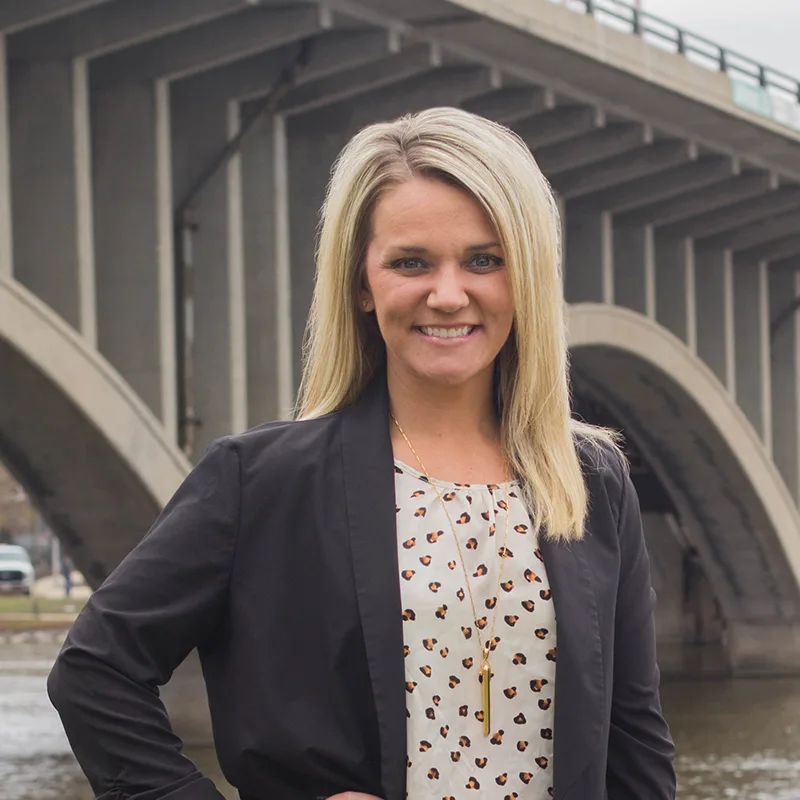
(447, 333)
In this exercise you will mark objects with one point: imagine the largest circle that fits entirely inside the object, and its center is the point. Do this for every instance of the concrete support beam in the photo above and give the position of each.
(15, 16)
(664, 184)
(675, 287)
(588, 257)
(731, 217)
(715, 322)
(134, 241)
(751, 320)
(784, 289)
(111, 26)
(598, 145)
(565, 122)
(776, 250)
(331, 52)
(199, 132)
(387, 71)
(635, 269)
(443, 86)
(213, 44)
(51, 178)
(644, 161)
(512, 104)
(755, 234)
(6, 247)
(686, 205)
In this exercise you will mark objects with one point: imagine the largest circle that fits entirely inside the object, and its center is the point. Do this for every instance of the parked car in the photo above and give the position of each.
(16, 570)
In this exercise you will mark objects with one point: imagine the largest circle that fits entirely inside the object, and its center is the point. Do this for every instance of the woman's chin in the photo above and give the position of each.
(451, 377)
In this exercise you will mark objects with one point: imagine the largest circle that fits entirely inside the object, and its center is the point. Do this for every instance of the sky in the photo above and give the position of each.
(764, 30)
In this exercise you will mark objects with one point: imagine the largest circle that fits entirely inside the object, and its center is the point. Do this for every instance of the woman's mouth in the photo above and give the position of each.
(434, 332)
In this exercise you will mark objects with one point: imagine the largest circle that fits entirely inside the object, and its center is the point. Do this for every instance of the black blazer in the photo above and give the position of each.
(277, 560)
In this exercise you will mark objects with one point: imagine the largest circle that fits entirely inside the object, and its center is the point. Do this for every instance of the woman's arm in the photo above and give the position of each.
(165, 598)
(640, 749)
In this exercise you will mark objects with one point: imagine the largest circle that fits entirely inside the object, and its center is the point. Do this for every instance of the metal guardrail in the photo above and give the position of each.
(659, 32)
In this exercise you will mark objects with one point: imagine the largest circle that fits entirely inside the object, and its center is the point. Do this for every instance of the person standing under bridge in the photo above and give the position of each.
(433, 583)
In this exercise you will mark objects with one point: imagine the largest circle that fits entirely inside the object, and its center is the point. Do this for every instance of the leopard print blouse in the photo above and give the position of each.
(448, 756)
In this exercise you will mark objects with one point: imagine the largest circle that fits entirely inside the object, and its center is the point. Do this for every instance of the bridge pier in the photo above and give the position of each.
(760, 649)
(714, 298)
(51, 186)
(200, 129)
(267, 269)
(751, 325)
(674, 287)
(784, 288)
(634, 268)
(588, 256)
(133, 240)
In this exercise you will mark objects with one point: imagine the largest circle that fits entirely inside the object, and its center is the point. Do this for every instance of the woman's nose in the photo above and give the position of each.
(448, 292)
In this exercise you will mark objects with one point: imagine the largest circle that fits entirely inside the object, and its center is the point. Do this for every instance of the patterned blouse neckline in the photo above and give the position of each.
(450, 485)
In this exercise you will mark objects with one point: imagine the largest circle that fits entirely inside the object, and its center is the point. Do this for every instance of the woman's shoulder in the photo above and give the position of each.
(604, 467)
(283, 444)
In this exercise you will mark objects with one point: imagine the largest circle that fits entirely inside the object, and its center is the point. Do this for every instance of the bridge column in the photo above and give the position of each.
(675, 289)
(134, 240)
(763, 648)
(314, 141)
(266, 260)
(6, 259)
(199, 132)
(715, 328)
(634, 268)
(784, 288)
(588, 256)
(52, 186)
(751, 325)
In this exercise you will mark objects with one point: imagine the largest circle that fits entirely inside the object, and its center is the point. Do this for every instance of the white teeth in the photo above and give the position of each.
(448, 333)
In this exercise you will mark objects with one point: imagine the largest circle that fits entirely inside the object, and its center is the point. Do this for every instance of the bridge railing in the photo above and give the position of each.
(664, 34)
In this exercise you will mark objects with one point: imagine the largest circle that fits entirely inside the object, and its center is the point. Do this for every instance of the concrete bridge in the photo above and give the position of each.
(150, 302)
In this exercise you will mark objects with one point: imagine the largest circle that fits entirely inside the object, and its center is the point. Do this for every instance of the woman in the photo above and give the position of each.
(373, 588)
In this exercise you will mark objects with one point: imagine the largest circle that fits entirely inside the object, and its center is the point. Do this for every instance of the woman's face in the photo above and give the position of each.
(437, 281)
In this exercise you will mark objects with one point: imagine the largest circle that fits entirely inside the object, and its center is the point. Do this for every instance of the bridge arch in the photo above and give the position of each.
(77, 437)
(728, 493)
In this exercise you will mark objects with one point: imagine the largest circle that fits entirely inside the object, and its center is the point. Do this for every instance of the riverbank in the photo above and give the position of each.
(21, 617)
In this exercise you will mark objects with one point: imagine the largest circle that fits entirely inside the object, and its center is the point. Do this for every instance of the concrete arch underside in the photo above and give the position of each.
(727, 491)
(76, 436)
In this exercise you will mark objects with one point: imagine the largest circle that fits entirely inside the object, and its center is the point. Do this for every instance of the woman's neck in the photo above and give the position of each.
(453, 429)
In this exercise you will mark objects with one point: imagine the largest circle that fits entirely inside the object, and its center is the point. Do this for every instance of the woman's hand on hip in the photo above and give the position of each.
(354, 796)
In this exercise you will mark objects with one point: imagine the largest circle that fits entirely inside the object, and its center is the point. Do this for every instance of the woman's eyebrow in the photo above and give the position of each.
(417, 250)
(487, 246)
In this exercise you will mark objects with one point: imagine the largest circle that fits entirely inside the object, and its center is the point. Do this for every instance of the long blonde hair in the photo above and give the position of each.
(343, 349)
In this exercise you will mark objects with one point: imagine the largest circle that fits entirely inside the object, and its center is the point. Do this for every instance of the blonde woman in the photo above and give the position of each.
(432, 583)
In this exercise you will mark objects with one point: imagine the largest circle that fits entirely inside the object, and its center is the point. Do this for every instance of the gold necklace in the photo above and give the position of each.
(485, 671)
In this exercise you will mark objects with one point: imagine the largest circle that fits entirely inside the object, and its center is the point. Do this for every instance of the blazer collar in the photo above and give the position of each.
(369, 490)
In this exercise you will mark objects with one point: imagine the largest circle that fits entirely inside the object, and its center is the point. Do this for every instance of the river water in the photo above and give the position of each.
(735, 739)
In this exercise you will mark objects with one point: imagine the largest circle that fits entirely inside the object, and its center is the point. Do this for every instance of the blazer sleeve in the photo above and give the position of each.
(640, 748)
(166, 597)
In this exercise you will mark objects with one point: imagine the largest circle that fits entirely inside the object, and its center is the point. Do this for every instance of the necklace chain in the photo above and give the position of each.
(485, 648)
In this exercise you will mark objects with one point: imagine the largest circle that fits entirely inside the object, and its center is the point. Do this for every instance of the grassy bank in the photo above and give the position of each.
(19, 613)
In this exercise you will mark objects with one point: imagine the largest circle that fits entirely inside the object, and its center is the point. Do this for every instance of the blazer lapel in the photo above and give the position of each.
(579, 696)
(369, 490)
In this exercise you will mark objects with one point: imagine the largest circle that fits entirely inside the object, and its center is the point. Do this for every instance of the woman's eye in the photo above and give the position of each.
(486, 261)
(408, 263)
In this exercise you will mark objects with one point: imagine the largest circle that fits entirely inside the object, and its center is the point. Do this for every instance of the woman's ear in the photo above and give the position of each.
(365, 300)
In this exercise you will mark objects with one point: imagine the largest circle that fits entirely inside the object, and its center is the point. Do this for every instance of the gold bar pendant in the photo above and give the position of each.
(486, 680)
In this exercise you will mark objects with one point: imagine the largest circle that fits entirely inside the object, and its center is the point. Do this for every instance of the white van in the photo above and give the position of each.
(16, 570)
